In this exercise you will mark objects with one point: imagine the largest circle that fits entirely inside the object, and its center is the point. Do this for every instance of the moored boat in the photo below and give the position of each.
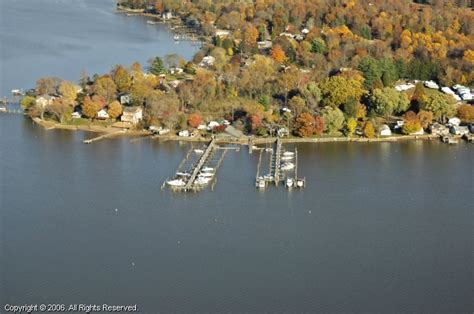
(290, 182)
(287, 166)
(176, 183)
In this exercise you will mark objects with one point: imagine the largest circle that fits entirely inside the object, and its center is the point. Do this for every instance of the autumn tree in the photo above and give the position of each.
(305, 125)
(318, 125)
(466, 113)
(337, 90)
(60, 110)
(369, 130)
(278, 54)
(106, 88)
(27, 102)
(122, 79)
(425, 118)
(47, 85)
(68, 91)
(194, 120)
(351, 125)
(115, 110)
(90, 107)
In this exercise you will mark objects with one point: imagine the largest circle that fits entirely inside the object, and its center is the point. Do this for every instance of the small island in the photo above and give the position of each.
(286, 71)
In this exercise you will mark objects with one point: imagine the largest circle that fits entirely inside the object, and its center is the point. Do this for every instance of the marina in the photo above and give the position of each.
(282, 168)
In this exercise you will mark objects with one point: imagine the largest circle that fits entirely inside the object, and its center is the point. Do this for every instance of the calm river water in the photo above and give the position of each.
(384, 227)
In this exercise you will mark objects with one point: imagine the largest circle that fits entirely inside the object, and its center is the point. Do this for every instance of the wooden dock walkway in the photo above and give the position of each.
(101, 137)
(197, 169)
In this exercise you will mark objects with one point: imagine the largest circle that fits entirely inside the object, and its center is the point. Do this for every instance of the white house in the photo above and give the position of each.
(132, 115)
(45, 100)
(454, 121)
(283, 132)
(102, 114)
(76, 115)
(385, 130)
(184, 133)
(202, 127)
(267, 44)
(459, 130)
(176, 70)
(404, 87)
(167, 15)
(207, 61)
(221, 33)
(212, 125)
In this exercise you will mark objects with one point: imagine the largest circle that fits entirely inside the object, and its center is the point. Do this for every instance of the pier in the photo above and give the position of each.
(101, 137)
(202, 172)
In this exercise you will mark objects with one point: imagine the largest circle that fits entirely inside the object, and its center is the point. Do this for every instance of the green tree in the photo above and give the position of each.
(371, 70)
(388, 101)
(318, 45)
(27, 102)
(366, 32)
(441, 105)
(157, 67)
(333, 119)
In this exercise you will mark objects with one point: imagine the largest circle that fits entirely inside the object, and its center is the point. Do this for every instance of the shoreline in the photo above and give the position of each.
(244, 141)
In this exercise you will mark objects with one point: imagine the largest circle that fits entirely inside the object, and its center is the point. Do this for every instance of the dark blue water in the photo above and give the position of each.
(381, 228)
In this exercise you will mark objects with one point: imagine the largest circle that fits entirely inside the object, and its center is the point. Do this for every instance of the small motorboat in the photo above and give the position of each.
(290, 182)
(269, 150)
(202, 181)
(261, 184)
(177, 183)
(207, 169)
(287, 158)
(300, 183)
(206, 175)
(287, 166)
(183, 174)
(288, 154)
(199, 151)
(268, 177)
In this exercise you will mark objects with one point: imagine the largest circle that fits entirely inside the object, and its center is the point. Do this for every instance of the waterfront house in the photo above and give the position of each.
(167, 15)
(431, 84)
(76, 115)
(385, 130)
(438, 129)
(454, 121)
(212, 125)
(267, 44)
(183, 133)
(45, 100)
(102, 115)
(283, 132)
(132, 115)
(459, 130)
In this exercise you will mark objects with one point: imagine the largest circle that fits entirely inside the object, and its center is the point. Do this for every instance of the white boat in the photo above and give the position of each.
(288, 154)
(287, 158)
(207, 169)
(202, 181)
(261, 183)
(206, 175)
(268, 177)
(198, 151)
(290, 182)
(269, 150)
(287, 166)
(183, 174)
(3, 109)
(177, 182)
(300, 183)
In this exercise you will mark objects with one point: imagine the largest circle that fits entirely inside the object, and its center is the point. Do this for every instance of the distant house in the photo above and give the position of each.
(158, 130)
(438, 129)
(167, 15)
(212, 125)
(385, 130)
(431, 84)
(45, 100)
(102, 114)
(404, 87)
(305, 31)
(176, 70)
(207, 61)
(459, 130)
(221, 33)
(267, 44)
(76, 115)
(125, 99)
(132, 115)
